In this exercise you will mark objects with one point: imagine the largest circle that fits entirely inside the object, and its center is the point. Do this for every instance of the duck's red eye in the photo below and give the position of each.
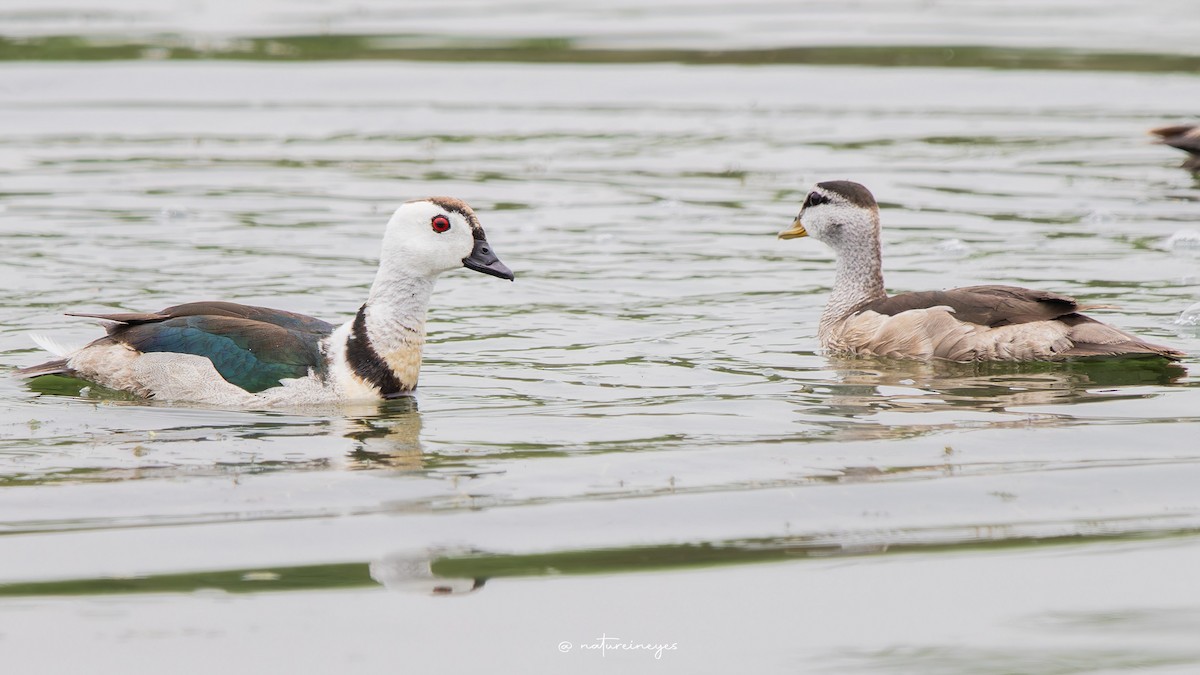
(440, 223)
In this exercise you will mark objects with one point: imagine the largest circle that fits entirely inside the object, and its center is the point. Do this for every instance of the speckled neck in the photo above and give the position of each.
(859, 277)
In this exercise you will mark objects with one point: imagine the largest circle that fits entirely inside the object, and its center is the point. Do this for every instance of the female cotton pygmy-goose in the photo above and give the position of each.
(976, 323)
(229, 354)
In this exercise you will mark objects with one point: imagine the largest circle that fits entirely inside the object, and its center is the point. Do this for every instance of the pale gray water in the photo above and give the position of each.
(638, 438)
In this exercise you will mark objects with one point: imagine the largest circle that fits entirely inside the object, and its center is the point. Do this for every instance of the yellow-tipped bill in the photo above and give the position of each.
(794, 232)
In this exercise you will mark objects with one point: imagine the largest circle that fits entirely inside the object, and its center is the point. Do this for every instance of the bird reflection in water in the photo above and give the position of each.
(413, 572)
(863, 388)
(386, 435)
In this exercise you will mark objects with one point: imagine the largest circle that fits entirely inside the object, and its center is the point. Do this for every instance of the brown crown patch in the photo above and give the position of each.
(851, 192)
(455, 205)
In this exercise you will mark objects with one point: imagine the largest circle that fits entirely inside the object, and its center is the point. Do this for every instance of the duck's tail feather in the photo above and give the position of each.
(1129, 349)
(1092, 338)
(55, 367)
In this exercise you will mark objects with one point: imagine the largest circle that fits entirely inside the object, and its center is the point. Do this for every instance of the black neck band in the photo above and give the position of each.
(367, 363)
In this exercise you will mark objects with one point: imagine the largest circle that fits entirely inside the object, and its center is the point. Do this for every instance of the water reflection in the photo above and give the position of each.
(414, 573)
(449, 571)
(160, 440)
(864, 387)
(388, 438)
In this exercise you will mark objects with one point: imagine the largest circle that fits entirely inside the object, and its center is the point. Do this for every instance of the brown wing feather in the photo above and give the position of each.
(233, 310)
(990, 305)
(130, 318)
(278, 317)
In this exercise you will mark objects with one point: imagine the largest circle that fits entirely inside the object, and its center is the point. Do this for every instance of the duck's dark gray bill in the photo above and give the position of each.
(482, 259)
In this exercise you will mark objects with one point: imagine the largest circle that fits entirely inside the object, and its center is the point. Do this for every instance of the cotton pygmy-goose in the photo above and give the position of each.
(224, 353)
(976, 323)
(1185, 137)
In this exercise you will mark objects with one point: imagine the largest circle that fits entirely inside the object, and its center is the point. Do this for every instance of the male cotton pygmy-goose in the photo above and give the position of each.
(224, 353)
(976, 323)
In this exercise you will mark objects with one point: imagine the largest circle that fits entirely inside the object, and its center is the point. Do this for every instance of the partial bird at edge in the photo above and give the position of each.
(1184, 137)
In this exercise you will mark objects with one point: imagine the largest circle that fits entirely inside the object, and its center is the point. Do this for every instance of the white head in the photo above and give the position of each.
(426, 237)
(840, 213)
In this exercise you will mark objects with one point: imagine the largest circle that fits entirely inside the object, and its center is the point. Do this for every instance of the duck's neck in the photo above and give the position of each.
(859, 280)
(384, 341)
